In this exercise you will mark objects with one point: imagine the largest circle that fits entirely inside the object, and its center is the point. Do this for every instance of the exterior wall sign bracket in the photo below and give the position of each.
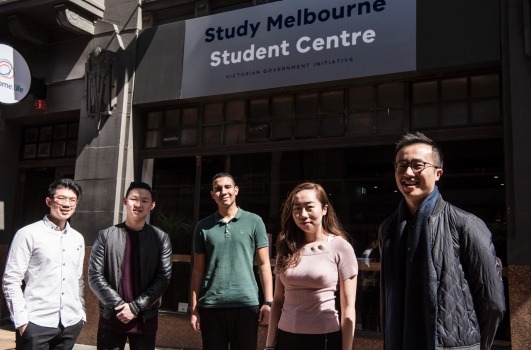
(74, 20)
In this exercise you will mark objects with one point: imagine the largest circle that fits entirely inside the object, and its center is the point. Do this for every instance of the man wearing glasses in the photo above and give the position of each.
(440, 286)
(48, 257)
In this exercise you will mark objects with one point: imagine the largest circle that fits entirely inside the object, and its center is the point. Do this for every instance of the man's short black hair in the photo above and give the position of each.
(418, 137)
(64, 183)
(142, 185)
(222, 174)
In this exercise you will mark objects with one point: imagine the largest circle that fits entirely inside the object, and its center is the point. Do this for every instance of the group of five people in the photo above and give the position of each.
(441, 286)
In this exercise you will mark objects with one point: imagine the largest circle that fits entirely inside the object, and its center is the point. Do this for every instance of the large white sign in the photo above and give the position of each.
(297, 42)
(15, 75)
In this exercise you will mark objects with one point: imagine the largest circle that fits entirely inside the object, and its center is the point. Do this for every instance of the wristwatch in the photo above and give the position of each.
(268, 303)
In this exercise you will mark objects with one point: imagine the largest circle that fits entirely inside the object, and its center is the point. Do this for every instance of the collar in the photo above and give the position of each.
(219, 219)
(439, 206)
(127, 228)
(53, 226)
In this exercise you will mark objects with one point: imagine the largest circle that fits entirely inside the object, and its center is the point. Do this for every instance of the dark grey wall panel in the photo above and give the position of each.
(159, 64)
(454, 32)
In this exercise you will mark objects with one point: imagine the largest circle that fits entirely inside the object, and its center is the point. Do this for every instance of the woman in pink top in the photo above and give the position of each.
(314, 260)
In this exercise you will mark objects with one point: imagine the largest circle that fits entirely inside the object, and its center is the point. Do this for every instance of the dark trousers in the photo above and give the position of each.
(36, 337)
(292, 341)
(235, 326)
(108, 340)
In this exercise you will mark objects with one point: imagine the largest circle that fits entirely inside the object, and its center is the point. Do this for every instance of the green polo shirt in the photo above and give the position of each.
(230, 250)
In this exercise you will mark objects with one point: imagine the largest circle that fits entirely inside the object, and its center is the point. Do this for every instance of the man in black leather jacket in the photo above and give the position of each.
(440, 285)
(129, 269)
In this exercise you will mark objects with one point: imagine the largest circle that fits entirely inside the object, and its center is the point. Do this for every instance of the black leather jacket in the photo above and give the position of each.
(470, 296)
(105, 269)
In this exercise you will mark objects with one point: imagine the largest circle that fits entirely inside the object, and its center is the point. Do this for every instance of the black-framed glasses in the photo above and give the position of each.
(72, 201)
(416, 165)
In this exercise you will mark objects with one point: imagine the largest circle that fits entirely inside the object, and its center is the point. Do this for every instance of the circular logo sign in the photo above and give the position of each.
(15, 75)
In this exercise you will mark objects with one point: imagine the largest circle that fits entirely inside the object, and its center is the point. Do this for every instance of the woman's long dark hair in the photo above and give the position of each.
(291, 239)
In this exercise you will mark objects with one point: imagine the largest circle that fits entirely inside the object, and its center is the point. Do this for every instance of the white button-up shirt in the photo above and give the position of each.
(50, 262)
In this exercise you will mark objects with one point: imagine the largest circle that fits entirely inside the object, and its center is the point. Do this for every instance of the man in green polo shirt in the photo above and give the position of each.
(225, 306)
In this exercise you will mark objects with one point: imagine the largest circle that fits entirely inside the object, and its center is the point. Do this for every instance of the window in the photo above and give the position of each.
(50, 141)
(174, 127)
(459, 101)
(359, 181)
(359, 110)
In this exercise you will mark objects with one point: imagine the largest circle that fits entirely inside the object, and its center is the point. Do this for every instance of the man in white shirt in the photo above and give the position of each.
(48, 257)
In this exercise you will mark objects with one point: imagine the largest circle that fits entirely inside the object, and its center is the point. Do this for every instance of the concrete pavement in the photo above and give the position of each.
(7, 337)
(7, 340)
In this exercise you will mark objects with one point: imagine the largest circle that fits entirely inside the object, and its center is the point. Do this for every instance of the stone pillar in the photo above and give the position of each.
(516, 72)
(105, 163)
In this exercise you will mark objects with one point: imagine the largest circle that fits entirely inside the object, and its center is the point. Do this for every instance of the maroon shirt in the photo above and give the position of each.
(129, 289)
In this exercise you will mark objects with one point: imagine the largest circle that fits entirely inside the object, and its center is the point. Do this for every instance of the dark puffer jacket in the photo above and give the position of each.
(105, 269)
(470, 297)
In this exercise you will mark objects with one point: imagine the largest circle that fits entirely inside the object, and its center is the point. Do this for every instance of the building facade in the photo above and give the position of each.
(275, 92)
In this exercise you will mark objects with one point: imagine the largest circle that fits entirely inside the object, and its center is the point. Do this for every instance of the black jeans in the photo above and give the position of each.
(236, 326)
(292, 341)
(36, 337)
(108, 340)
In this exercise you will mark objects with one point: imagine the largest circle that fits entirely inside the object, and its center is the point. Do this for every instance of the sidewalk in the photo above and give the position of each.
(7, 337)
(7, 340)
